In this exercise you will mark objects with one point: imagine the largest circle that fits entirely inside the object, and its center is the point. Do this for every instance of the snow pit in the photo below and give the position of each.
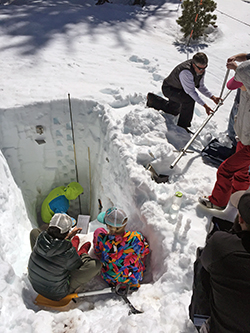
(37, 142)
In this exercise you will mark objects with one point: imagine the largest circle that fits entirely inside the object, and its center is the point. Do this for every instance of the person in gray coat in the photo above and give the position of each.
(56, 267)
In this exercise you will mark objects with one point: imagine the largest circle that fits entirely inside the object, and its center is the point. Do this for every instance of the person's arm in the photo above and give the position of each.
(238, 57)
(203, 89)
(73, 232)
(187, 82)
(216, 248)
(231, 62)
(98, 247)
(73, 260)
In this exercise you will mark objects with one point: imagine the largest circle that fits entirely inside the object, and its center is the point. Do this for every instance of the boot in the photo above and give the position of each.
(84, 248)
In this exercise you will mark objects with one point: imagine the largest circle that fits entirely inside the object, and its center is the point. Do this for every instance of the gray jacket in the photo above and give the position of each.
(242, 120)
(50, 264)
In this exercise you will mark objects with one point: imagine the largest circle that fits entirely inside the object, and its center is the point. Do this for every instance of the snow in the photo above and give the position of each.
(102, 61)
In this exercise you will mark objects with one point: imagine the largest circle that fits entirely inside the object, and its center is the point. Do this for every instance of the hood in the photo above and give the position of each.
(73, 190)
(245, 239)
(243, 74)
(47, 245)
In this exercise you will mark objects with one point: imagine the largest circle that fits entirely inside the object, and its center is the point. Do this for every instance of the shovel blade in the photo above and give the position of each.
(46, 302)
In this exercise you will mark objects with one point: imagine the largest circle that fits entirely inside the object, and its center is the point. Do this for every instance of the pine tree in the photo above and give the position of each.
(196, 17)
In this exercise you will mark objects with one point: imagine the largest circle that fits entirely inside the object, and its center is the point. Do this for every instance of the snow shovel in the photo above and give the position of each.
(120, 290)
(46, 302)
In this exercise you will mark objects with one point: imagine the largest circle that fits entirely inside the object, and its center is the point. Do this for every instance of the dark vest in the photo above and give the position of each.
(173, 78)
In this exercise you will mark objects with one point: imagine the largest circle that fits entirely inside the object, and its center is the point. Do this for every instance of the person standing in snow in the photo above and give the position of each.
(56, 267)
(233, 173)
(122, 253)
(226, 258)
(232, 64)
(180, 88)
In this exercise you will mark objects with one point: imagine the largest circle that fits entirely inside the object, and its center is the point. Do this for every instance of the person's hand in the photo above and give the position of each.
(216, 99)
(231, 65)
(73, 232)
(233, 58)
(208, 109)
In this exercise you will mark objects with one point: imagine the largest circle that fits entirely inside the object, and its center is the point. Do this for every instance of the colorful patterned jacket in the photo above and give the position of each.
(122, 257)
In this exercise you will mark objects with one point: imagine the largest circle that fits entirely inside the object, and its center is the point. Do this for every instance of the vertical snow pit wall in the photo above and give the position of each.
(102, 149)
(41, 161)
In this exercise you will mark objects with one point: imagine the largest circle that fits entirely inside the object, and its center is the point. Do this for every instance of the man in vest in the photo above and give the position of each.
(180, 89)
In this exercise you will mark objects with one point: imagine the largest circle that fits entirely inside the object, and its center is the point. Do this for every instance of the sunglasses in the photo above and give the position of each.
(200, 68)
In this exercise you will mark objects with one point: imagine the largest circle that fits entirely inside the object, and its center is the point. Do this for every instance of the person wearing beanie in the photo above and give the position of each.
(233, 173)
(226, 258)
(122, 253)
(56, 266)
(180, 87)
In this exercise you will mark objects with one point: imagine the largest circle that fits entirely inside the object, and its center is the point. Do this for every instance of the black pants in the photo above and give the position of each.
(179, 103)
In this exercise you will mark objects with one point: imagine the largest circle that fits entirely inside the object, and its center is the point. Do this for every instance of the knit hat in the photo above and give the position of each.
(241, 200)
(62, 222)
(233, 84)
(114, 217)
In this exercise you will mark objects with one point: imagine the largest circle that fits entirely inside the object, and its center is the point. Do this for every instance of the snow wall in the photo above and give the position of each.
(106, 161)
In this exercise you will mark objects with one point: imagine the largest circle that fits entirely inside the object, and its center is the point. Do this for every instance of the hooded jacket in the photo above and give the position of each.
(226, 257)
(58, 200)
(50, 264)
(242, 119)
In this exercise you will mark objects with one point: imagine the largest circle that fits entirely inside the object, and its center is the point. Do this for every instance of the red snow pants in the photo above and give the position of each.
(232, 176)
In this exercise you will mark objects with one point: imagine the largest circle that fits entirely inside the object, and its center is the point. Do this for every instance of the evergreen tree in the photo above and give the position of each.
(196, 17)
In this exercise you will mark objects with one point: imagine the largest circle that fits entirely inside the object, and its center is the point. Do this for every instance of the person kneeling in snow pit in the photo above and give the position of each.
(58, 200)
(122, 253)
(56, 267)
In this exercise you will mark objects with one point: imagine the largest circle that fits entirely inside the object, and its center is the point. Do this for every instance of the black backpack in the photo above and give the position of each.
(215, 153)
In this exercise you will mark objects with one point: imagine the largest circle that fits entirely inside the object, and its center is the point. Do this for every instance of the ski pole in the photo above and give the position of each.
(73, 138)
(184, 150)
(90, 194)
(224, 82)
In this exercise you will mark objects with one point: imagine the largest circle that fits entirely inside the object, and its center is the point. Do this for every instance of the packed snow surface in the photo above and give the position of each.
(82, 72)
